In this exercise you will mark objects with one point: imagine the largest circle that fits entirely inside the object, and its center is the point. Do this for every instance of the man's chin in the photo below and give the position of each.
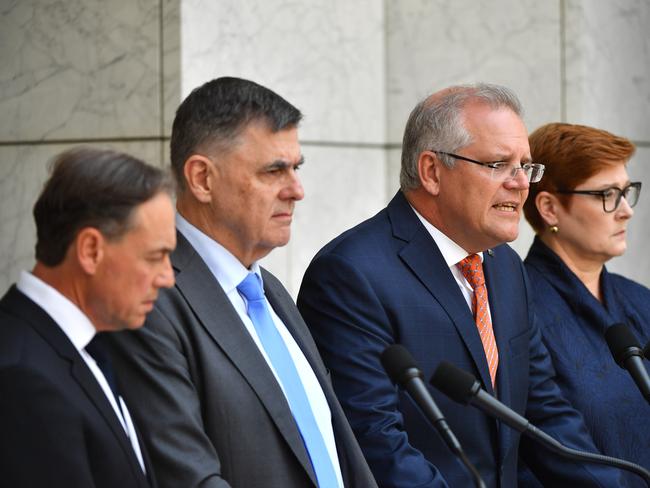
(508, 234)
(135, 322)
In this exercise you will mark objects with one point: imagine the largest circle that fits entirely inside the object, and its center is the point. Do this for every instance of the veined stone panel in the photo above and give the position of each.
(436, 43)
(171, 60)
(324, 56)
(608, 66)
(79, 69)
(393, 167)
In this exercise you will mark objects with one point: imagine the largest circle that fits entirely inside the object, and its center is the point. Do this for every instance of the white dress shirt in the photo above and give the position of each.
(452, 253)
(230, 272)
(80, 331)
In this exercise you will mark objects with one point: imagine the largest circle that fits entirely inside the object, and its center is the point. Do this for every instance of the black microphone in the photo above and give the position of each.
(628, 355)
(646, 351)
(463, 388)
(403, 371)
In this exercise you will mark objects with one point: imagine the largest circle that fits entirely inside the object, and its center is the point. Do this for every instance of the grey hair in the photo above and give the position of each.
(436, 123)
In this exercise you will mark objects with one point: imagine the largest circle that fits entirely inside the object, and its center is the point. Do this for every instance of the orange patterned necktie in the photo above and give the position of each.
(472, 270)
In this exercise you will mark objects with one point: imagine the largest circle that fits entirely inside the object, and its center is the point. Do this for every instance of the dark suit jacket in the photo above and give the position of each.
(573, 329)
(57, 428)
(384, 282)
(216, 415)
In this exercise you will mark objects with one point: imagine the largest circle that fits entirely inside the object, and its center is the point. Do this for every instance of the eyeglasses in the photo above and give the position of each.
(612, 196)
(502, 170)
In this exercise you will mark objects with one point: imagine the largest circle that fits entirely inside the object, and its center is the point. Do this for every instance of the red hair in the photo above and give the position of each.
(572, 154)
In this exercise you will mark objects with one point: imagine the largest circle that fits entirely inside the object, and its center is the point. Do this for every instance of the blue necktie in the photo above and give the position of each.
(279, 356)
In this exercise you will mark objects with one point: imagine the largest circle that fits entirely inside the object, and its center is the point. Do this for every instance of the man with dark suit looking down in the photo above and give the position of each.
(105, 229)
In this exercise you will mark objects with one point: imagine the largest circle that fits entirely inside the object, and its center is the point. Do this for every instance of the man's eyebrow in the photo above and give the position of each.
(282, 164)
(161, 250)
(506, 159)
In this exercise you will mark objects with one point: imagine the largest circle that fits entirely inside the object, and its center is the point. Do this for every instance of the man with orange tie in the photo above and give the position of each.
(431, 271)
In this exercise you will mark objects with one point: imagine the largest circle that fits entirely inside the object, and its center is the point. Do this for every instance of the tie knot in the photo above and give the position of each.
(97, 350)
(251, 288)
(472, 270)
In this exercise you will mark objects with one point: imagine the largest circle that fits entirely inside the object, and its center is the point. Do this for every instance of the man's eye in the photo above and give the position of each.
(499, 166)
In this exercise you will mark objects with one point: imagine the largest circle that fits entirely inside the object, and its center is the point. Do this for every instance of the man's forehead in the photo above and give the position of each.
(152, 211)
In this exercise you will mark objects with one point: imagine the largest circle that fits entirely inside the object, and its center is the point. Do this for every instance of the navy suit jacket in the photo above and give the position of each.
(574, 334)
(57, 428)
(385, 282)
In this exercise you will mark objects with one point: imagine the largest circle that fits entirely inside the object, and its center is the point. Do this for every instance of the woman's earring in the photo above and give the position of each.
(554, 229)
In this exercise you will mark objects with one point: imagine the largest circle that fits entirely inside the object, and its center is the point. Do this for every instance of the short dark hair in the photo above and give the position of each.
(91, 187)
(214, 114)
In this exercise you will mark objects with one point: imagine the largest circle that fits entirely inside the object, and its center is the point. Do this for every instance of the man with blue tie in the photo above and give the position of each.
(105, 228)
(233, 390)
(431, 271)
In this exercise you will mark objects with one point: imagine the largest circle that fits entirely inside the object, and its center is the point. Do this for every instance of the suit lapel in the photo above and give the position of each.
(500, 319)
(499, 314)
(38, 319)
(295, 325)
(422, 256)
(208, 301)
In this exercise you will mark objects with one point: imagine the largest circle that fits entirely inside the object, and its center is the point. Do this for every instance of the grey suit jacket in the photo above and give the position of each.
(213, 413)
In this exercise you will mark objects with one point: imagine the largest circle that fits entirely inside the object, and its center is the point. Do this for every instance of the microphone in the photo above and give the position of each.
(403, 371)
(646, 351)
(628, 355)
(463, 388)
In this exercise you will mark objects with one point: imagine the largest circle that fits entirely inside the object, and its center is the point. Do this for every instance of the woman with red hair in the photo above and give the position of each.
(580, 212)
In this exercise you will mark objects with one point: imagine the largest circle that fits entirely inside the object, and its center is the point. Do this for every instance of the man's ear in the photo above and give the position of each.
(547, 205)
(89, 247)
(429, 172)
(199, 174)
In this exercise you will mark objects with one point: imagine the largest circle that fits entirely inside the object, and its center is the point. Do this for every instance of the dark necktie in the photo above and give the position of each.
(98, 350)
(294, 390)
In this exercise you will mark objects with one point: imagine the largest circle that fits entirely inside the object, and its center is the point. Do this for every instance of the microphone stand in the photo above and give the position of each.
(476, 477)
(463, 387)
(403, 371)
(575, 455)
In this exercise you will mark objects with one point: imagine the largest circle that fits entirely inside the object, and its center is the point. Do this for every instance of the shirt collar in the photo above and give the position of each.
(72, 321)
(451, 252)
(225, 267)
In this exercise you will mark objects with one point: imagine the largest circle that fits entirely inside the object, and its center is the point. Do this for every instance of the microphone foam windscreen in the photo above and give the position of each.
(453, 382)
(620, 339)
(396, 360)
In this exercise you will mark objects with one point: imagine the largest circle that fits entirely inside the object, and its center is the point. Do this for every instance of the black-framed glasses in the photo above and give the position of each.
(502, 170)
(612, 196)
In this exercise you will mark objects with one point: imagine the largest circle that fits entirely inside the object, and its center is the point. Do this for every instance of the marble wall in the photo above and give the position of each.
(78, 72)
(327, 58)
(112, 73)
